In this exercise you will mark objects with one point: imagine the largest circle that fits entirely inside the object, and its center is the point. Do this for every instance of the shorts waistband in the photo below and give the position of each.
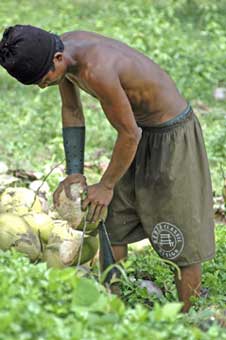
(186, 113)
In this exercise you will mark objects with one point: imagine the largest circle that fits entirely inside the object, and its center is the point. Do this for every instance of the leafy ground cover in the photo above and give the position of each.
(39, 304)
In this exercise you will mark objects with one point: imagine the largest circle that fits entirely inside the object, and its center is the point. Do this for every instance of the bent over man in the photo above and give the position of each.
(157, 184)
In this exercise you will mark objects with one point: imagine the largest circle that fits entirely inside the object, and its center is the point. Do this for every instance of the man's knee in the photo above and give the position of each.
(191, 271)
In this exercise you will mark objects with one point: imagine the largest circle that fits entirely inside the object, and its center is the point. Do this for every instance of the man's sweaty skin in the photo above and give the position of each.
(133, 91)
(152, 95)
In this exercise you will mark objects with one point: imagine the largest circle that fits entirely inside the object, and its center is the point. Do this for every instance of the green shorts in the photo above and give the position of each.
(166, 194)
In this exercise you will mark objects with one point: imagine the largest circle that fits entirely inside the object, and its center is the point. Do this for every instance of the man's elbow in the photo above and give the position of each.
(133, 137)
(136, 135)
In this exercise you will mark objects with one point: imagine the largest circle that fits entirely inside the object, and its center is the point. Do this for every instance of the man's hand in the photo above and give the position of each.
(65, 184)
(98, 199)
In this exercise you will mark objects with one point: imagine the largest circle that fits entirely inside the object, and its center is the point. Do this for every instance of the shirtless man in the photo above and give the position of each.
(157, 184)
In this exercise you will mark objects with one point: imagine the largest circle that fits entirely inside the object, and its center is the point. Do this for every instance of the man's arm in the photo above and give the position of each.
(72, 113)
(73, 134)
(119, 113)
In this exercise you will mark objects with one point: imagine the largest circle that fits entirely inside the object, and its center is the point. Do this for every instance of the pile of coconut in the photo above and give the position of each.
(27, 226)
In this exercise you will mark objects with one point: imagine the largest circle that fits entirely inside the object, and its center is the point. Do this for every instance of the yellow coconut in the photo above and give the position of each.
(64, 245)
(40, 223)
(19, 201)
(15, 232)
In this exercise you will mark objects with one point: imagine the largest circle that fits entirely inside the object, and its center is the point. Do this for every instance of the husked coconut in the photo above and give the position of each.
(71, 209)
(64, 246)
(19, 201)
(3, 168)
(15, 232)
(40, 186)
(6, 181)
(40, 223)
(42, 190)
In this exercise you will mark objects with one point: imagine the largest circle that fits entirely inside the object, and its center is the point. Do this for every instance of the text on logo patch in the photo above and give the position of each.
(168, 240)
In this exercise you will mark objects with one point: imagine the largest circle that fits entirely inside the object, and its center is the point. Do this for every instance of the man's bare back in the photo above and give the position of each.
(152, 94)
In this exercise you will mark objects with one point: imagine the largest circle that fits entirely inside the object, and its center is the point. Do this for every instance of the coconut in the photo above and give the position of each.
(40, 186)
(71, 209)
(42, 190)
(89, 249)
(64, 245)
(19, 201)
(15, 232)
(3, 168)
(89, 226)
(6, 181)
(40, 223)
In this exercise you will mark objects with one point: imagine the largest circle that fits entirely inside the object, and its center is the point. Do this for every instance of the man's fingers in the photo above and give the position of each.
(98, 213)
(91, 212)
(85, 203)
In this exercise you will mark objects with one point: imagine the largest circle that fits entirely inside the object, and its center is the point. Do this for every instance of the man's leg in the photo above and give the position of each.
(120, 252)
(189, 285)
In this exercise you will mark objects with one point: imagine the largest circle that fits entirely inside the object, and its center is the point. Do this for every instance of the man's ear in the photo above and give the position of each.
(58, 57)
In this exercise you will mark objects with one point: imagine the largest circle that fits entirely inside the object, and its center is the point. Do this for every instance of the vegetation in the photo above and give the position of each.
(188, 39)
(61, 304)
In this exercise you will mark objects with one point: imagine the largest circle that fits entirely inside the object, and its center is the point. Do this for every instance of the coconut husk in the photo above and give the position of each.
(15, 232)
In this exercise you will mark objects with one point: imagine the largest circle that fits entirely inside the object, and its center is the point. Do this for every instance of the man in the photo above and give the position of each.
(157, 184)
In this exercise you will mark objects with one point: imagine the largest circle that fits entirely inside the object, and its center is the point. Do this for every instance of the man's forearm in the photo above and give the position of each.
(71, 118)
(122, 156)
(74, 140)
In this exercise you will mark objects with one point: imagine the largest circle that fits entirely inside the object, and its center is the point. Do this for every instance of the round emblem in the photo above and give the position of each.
(168, 240)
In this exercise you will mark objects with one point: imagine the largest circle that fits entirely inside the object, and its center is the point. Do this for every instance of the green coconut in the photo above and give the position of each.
(19, 201)
(89, 250)
(15, 232)
(64, 245)
(89, 226)
(40, 223)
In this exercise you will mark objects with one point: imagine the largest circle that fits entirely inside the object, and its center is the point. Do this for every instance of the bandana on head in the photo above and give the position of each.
(27, 52)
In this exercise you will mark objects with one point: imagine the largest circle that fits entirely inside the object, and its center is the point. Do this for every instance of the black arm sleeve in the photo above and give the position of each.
(74, 146)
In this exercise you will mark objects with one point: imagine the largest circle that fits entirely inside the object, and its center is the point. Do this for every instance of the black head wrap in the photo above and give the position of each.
(27, 52)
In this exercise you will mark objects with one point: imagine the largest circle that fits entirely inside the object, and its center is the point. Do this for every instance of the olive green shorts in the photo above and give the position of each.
(166, 194)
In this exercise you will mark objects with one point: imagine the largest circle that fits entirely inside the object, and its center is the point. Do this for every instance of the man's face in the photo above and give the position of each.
(56, 73)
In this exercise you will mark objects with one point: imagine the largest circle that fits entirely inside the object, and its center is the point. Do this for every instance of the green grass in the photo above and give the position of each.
(50, 304)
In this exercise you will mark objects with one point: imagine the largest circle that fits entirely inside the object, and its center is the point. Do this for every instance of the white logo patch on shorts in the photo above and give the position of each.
(168, 240)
